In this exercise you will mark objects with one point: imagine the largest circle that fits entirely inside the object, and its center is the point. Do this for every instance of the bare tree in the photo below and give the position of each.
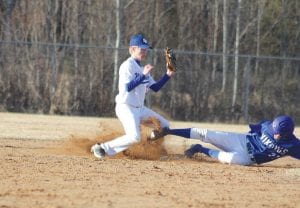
(260, 5)
(236, 54)
(119, 17)
(53, 50)
(76, 50)
(245, 97)
(7, 7)
(225, 11)
(215, 37)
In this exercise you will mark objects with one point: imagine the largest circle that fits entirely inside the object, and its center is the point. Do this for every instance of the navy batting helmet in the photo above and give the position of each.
(283, 125)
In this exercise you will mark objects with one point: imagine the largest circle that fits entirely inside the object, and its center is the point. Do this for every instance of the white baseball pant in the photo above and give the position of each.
(234, 145)
(130, 118)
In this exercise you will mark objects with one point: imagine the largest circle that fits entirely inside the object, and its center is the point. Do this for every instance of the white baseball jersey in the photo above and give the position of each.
(128, 71)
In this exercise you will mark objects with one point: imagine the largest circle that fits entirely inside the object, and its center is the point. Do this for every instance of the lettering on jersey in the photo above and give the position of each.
(271, 145)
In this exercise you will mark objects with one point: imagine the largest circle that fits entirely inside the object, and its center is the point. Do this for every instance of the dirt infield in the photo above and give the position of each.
(45, 162)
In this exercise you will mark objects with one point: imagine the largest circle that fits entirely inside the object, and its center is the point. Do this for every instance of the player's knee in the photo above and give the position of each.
(234, 158)
(197, 133)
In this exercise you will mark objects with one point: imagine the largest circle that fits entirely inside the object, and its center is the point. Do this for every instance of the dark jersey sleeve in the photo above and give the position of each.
(256, 128)
(156, 87)
(295, 151)
(135, 82)
(263, 157)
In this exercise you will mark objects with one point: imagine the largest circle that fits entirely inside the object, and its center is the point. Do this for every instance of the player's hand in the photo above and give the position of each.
(170, 72)
(147, 69)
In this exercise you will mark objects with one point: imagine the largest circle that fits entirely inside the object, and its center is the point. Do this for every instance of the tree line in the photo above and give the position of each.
(238, 60)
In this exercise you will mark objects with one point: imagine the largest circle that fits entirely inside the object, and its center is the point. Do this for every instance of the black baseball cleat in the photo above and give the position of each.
(156, 134)
(98, 151)
(193, 150)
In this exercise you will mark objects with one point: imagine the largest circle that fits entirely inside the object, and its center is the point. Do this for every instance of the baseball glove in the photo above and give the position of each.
(170, 59)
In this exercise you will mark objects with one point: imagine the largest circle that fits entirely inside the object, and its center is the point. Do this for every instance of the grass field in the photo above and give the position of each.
(45, 162)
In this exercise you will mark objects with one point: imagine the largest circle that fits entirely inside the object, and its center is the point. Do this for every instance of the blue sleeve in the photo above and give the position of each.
(135, 82)
(295, 152)
(256, 128)
(155, 87)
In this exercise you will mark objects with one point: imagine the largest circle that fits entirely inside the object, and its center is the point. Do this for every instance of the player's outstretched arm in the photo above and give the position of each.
(295, 152)
(158, 85)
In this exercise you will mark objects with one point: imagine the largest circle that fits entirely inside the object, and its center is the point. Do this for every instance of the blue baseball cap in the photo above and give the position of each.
(283, 125)
(140, 41)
